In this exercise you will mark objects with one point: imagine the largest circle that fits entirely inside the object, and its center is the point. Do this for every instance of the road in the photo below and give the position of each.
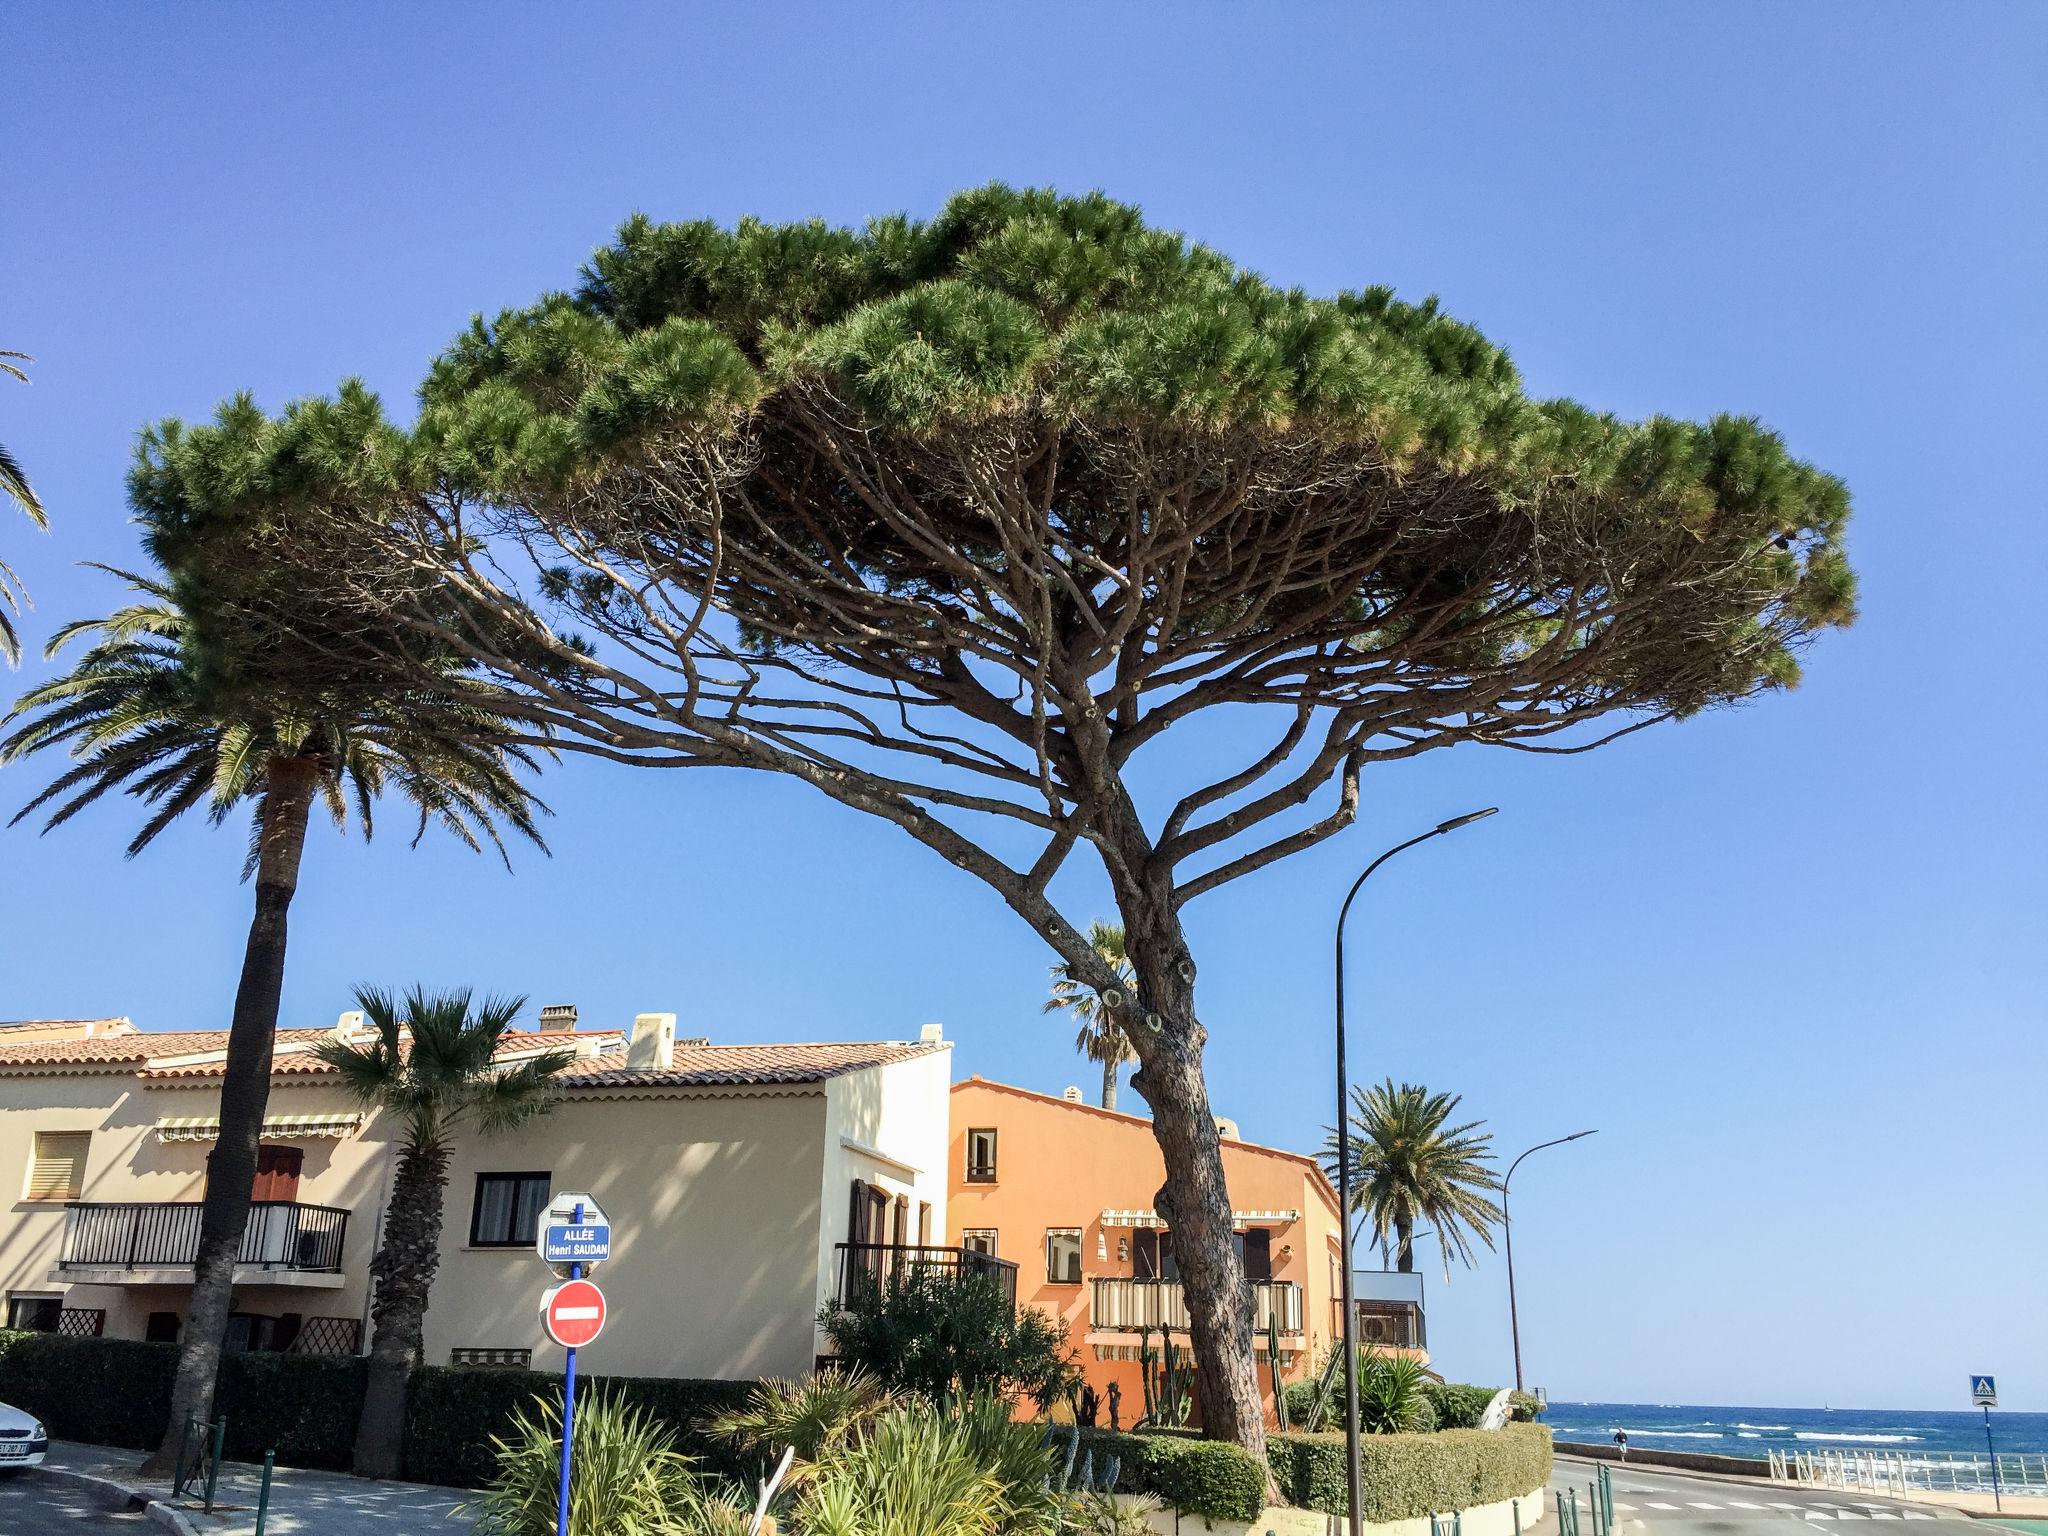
(1656, 1503)
(34, 1505)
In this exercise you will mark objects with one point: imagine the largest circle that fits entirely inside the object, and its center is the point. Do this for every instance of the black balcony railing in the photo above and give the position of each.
(1125, 1304)
(890, 1264)
(281, 1235)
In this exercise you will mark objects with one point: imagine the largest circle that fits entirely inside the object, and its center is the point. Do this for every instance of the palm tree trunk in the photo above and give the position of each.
(1109, 1071)
(1404, 1247)
(244, 1094)
(404, 1274)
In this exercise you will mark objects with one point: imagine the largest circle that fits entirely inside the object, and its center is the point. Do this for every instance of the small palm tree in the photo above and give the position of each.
(148, 710)
(14, 485)
(1408, 1164)
(1101, 1038)
(431, 1065)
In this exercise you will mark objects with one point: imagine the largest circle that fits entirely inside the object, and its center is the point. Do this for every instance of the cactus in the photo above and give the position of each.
(1061, 1479)
(1273, 1364)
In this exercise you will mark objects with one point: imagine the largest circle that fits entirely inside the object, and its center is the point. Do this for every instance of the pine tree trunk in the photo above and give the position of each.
(244, 1095)
(403, 1271)
(1109, 1071)
(1194, 1200)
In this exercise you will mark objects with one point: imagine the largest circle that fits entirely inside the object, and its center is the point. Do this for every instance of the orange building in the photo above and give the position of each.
(1064, 1190)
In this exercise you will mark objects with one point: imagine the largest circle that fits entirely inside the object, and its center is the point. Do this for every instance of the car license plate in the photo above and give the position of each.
(13, 1450)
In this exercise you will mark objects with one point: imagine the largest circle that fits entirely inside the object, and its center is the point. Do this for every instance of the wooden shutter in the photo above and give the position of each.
(857, 1218)
(58, 1172)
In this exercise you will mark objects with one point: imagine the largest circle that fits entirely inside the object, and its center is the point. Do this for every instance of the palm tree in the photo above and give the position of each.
(14, 485)
(148, 710)
(1407, 1164)
(1101, 1038)
(432, 1066)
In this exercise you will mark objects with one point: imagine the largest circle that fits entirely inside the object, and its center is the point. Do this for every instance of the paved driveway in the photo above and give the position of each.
(34, 1505)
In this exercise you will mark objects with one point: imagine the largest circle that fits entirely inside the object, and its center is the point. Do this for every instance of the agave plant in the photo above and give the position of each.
(1391, 1399)
(630, 1480)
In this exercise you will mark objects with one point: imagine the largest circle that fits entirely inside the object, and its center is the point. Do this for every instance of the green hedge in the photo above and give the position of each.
(1197, 1477)
(452, 1415)
(1458, 1405)
(1407, 1476)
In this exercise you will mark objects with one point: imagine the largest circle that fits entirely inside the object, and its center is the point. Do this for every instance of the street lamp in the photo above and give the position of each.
(1508, 1232)
(1351, 1466)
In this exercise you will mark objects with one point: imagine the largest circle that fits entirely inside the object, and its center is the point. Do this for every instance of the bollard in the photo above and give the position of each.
(220, 1438)
(263, 1496)
(178, 1470)
(1517, 1506)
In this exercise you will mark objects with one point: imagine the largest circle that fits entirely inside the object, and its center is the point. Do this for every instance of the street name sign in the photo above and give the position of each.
(563, 1240)
(1983, 1392)
(572, 1312)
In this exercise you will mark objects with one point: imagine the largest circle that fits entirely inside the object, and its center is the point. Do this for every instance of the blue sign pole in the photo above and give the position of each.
(1997, 1503)
(569, 1410)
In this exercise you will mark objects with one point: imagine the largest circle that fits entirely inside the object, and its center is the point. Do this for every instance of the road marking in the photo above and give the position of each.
(1850, 1514)
(1914, 1514)
(1815, 1514)
(1629, 1507)
(1738, 1504)
(1655, 1505)
(1701, 1504)
(1882, 1514)
(1787, 1506)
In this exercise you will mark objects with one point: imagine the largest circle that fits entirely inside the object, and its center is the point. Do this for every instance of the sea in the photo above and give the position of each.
(1756, 1431)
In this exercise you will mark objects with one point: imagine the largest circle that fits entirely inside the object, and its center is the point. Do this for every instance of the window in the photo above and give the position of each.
(867, 1219)
(34, 1314)
(1063, 1255)
(508, 1207)
(981, 1156)
(58, 1169)
(1255, 1252)
(162, 1328)
(979, 1240)
(1152, 1254)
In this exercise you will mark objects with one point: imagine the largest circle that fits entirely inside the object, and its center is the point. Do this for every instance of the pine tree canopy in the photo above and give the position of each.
(1354, 471)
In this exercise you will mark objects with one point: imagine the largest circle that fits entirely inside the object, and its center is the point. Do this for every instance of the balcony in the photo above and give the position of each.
(1122, 1305)
(143, 1244)
(1390, 1311)
(890, 1264)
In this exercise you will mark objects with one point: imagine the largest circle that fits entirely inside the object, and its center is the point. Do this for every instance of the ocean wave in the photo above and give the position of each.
(1763, 1426)
(1810, 1434)
(1681, 1434)
(1747, 1434)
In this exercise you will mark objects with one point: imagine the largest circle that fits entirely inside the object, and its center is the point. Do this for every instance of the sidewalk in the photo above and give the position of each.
(301, 1503)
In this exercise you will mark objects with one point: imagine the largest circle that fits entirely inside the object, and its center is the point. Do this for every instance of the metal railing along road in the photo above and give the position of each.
(2021, 1472)
(889, 1264)
(281, 1234)
(1128, 1304)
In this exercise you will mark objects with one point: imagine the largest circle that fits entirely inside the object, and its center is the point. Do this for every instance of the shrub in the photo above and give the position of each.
(304, 1407)
(1198, 1477)
(1394, 1397)
(814, 1415)
(1409, 1476)
(452, 1415)
(935, 1333)
(118, 1392)
(629, 1477)
(102, 1391)
(1458, 1405)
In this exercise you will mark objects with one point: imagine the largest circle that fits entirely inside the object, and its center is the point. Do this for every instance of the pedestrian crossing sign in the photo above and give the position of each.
(1983, 1392)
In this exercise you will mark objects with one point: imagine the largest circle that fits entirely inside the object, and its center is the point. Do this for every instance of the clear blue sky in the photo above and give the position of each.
(1789, 960)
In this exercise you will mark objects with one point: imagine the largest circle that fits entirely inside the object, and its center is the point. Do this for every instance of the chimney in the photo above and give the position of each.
(1071, 1095)
(932, 1034)
(1227, 1129)
(347, 1026)
(559, 1017)
(653, 1047)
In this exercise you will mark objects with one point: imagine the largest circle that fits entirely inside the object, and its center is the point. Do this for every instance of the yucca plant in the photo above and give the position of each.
(816, 1415)
(919, 1473)
(629, 1478)
(1391, 1399)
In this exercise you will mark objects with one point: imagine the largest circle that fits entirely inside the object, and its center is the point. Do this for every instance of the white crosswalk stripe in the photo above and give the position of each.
(1850, 1514)
(1818, 1514)
(1629, 1507)
(1782, 1505)
(1914, 1514)
(1653, 1503)
(1739, 1504)
(1882, 1514)
(1695, 1503)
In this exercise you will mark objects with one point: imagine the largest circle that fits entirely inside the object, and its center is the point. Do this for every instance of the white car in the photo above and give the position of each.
(23, 1440)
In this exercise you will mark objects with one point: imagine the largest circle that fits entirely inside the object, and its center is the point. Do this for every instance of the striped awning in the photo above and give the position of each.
(1237, 1218)
(275, 1127)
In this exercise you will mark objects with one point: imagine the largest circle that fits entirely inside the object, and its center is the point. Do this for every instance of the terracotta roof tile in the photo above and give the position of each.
(139, 1050)
(744, 1065)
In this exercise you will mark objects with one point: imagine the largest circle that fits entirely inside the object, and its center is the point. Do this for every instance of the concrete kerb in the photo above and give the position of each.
(154, 1510)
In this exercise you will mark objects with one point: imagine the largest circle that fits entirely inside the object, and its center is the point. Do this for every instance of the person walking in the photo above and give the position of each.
(1621, 1439)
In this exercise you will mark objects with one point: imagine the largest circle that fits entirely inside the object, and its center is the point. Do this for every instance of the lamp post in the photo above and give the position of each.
(1507, 1228)
(1351, 1466)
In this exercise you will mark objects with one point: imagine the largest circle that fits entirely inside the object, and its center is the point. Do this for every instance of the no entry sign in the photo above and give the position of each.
(572, 1313)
